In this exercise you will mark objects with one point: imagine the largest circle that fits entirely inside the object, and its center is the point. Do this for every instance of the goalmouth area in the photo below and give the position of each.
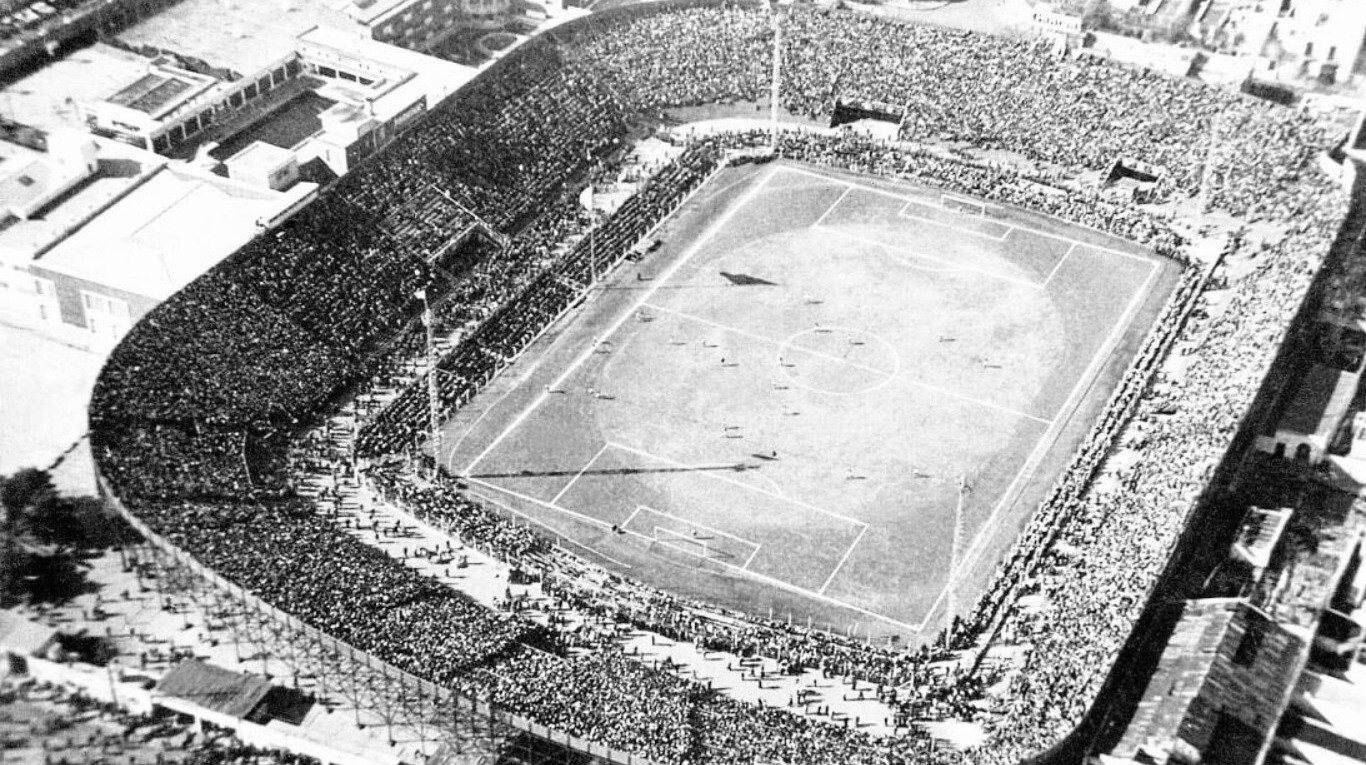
(789, 407)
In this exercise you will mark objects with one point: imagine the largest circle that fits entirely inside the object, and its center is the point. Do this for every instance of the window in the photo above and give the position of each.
(263, 84)
(1308, 49)
(103, 304)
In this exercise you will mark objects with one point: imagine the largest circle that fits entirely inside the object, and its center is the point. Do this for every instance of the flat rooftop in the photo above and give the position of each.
(50, 97)
(165, 233)
(119, 168)
(243, 35)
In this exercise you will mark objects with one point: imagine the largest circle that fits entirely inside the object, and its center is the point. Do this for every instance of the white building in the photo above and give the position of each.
(126, 238)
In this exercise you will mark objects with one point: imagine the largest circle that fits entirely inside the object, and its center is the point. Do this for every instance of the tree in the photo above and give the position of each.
(24, 488)
(54, 578)
(34, 509)
(1099, 16)
(35, 516)
(53, 520)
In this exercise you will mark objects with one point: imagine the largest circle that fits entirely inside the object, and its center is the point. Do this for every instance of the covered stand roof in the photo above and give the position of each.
(214, 688)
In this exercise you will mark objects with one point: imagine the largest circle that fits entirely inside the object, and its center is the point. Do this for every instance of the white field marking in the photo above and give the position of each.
(710, 529)
(833, 205)
(766, 579)
(777, 490)
(554, 533)
(725, 188)
(511, 389)
(750, 559)
(905, 260)
(909, 200)
(942, 261)
(1086, 245)
(631, 517)
(702, 543)
(1058, 265)
(914, 383)
(683, 550)
(528, 498)
(660, 280)
(844, 558)
(1011, 227)
(945, 199)
(800, 383)
(765, 339)
(1050, 435)
(748, 487)
(579, 474)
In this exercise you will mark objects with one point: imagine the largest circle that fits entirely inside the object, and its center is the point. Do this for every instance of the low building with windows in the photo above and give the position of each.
(421, 24)
(85, 268)
(1286, 41)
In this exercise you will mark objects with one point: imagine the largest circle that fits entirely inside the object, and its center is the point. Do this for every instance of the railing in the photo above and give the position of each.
(442, 700)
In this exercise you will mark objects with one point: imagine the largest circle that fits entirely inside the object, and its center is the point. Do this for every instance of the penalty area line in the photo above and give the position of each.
(833, 205)
(1048, 438)
(659, 281)
(578, 475)
(764, 578)
(843, 558)
(557, 534)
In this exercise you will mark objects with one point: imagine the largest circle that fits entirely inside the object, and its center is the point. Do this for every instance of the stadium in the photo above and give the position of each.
(804, 394)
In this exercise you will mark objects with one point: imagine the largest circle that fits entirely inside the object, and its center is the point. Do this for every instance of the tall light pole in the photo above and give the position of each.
(954, 553)
(433, 390)
(775, 87)
(1202, 196)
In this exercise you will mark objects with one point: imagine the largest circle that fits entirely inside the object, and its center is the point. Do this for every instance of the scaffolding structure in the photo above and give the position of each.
(446, 726)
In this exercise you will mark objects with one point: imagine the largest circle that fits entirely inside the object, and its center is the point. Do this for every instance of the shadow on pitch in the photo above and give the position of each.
(738, 467)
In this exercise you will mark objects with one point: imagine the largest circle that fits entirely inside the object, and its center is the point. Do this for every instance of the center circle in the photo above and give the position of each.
(838, 360)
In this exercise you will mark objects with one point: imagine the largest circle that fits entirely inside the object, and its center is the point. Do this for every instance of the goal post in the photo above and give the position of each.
(699, 546)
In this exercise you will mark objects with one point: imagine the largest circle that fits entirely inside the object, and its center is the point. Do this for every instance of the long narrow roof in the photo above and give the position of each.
(1219, 689)
(214, 688)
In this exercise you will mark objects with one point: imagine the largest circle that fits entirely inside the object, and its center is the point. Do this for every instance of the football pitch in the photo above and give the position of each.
(818, 390)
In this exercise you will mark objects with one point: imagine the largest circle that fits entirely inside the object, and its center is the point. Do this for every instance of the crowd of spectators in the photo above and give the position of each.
(500, 337)
(187, 414)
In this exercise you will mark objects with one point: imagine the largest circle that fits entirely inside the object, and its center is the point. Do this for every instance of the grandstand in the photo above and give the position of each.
(223, 402)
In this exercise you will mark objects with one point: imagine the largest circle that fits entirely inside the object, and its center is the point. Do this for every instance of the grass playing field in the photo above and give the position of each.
(789, 406)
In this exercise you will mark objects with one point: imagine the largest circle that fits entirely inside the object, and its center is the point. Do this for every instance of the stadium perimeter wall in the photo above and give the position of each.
(461, 709)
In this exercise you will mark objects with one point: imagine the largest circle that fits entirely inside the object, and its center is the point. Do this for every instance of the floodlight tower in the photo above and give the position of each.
(955, 552)
(433, 390)
(775, 87)
(1202, 196)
